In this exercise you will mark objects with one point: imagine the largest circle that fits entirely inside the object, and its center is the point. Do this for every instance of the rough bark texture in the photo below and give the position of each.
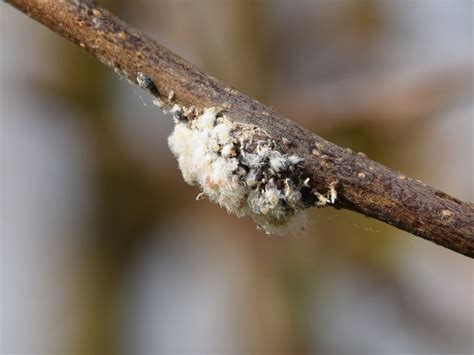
(362, 185)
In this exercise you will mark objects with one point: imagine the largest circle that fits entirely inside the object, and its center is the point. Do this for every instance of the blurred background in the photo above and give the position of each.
(104, 249)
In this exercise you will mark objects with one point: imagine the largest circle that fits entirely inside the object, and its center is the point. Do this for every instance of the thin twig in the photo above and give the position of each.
(362, 185)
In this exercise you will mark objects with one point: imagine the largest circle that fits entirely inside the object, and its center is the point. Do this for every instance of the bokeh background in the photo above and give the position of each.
(104, 249)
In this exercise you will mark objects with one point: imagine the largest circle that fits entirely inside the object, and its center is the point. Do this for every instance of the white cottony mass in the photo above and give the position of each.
(236, 166)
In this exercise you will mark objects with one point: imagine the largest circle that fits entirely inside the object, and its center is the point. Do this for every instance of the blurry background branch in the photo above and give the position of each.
(392, 98)
(363, 185)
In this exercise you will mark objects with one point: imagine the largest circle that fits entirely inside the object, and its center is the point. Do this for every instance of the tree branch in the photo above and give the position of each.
(362, 185)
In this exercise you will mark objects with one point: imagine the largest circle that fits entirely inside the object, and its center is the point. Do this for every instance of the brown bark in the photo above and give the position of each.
(362, 185)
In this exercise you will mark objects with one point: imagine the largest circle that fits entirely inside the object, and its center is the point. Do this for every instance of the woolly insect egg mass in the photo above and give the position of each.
(236, 166)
